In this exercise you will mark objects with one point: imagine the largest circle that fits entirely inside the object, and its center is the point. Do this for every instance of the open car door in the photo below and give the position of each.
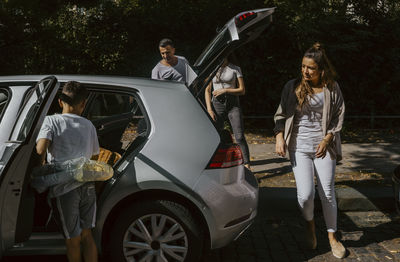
(241, 29)
(17, 158)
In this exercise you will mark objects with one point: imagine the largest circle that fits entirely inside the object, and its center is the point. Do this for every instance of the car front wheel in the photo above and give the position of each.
(155, 231)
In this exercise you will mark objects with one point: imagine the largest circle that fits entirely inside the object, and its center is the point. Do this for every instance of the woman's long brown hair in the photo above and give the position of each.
(328, 73)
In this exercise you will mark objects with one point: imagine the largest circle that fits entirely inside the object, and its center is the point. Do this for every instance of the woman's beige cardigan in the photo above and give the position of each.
(332, 115)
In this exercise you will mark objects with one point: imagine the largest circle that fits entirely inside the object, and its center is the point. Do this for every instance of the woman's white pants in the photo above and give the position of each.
(305, 167)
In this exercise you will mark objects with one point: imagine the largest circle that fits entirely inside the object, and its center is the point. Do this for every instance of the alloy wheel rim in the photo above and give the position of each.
(155, 238)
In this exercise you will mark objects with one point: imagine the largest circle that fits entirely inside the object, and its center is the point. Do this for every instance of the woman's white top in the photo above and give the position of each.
(307, 125)
(226, 77)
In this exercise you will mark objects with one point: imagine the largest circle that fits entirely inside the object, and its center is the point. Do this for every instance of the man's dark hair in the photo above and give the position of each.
(166, 42)
(73, 93)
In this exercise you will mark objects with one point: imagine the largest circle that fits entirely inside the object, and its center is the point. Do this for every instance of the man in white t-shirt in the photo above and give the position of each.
(171, 66)
(64, 137)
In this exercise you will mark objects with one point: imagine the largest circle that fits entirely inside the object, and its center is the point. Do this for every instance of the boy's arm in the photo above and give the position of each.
(41, 148)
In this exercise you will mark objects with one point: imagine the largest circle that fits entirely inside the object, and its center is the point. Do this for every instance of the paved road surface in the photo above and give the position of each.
(368, 236)
(278, 237)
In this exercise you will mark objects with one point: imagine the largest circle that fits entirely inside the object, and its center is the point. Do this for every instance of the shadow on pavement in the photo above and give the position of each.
(379, 158)
(275, 170)
(365, 195)
(371, 234)
(278, 235)
(268, 161)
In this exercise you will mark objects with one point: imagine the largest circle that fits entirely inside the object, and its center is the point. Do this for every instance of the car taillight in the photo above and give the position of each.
(244, 18)
(226, 156)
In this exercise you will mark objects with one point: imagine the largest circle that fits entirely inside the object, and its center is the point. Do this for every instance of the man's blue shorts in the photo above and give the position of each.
(75, 210)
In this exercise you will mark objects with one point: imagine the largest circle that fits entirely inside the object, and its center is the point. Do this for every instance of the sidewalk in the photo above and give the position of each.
(363, 177)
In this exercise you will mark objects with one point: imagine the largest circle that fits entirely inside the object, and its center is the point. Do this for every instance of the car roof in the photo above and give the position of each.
(127, 81)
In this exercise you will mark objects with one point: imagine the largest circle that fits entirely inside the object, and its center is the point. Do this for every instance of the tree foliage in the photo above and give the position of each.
(120, 37)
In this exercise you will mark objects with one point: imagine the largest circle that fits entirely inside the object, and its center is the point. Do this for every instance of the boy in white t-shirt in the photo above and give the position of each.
(64, 137)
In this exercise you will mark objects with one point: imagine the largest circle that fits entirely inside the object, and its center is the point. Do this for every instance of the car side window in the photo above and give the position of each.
(4, 97)
(109, 104)
(118, 118)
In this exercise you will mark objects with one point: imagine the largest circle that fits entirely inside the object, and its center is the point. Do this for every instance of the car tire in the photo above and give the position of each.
(158, 229)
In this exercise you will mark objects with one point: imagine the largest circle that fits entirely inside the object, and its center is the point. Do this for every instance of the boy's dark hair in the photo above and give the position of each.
(73, 93)
(166, 42)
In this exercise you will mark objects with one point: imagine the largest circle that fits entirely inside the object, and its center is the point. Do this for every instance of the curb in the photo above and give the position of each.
(380, 198)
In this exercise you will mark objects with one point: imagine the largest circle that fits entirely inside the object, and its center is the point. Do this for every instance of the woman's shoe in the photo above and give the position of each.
(338, 249)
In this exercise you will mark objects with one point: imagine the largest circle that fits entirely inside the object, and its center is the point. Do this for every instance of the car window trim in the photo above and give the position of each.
(25, 101)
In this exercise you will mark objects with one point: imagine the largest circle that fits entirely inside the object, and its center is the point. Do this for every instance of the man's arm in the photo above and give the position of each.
(41, 148)
(154, 73)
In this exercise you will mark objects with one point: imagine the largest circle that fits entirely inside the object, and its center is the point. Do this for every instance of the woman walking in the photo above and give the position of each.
(307, 124)
(228, 85)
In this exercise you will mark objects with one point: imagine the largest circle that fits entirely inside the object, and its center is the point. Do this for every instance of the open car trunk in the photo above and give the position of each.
(241, 29)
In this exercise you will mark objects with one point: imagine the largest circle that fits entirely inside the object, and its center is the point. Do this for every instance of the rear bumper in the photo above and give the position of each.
(231, 197)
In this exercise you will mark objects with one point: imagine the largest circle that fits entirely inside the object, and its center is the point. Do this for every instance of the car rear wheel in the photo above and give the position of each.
(155, 231)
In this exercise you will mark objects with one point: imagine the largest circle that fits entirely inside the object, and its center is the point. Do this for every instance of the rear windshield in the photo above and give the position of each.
(4, 97)
(207, 63)
(214, 48)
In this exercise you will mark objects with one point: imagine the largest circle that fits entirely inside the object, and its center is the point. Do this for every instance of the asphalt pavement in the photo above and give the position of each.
(279, 237)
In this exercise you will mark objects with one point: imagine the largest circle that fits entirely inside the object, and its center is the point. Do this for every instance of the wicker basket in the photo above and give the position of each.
(108, 157)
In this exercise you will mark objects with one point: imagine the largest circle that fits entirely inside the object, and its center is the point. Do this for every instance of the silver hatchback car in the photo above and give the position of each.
(179, 187)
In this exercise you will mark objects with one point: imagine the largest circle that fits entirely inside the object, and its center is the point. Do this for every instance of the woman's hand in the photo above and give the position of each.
(280, 146)
(212, 114)
(219, 92)
(321, 149)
